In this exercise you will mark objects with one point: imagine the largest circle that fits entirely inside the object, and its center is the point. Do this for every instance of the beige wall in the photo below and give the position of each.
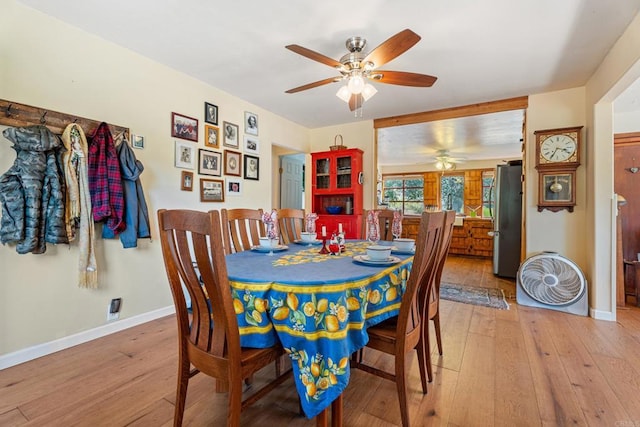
(562, 232)
(49, 64)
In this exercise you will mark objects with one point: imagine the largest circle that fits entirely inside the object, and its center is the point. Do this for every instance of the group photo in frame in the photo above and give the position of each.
(251, 123)
(185, 155)
(211, 113)
(184, 127)
(186, 181)
(251, 167)
(232, 165)
(230, 137)
(251, 144)
(209, 162)
(234, 187)
(211, 136)
(211, 190)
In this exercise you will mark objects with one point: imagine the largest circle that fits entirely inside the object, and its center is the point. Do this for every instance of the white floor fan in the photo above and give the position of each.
(549, 280)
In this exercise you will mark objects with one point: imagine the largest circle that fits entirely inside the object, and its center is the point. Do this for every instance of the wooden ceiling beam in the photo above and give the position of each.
(453, 113)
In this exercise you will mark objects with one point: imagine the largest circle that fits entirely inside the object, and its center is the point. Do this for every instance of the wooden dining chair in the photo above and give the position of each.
(209, 339)
(403, 333)
(385, 221)
(242, 229)
(291, 224)
(432, 294)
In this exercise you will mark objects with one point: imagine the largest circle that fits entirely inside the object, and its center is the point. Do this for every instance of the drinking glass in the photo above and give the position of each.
(373, 232)
(373, 227)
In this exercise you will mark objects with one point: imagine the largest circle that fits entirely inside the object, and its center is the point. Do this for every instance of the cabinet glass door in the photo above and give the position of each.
(322, 174)
(344, 172)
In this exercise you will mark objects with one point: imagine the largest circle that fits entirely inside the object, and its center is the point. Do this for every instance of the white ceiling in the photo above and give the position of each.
(479, 50)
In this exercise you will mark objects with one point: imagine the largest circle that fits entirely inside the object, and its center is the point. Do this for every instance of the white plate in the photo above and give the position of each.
(364, 259)
(276, 248)
(304, 243)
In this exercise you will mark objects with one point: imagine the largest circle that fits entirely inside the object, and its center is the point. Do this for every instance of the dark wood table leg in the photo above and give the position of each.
(336, 412)
(322, 418)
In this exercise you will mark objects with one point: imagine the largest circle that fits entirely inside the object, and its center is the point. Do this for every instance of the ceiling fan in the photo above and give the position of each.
(444, 161)
(357, 68)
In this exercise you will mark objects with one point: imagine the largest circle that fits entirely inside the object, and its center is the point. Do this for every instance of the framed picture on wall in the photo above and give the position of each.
(210, 113)
(211, 190)
(211, 136)
(186, 181)
(185, 155)
(184, 127)
(251, 167)
(250, 123)
(251, 144)
(234, 187)
(137, 141)
(230, 137)
(209, 162)
(232, 164)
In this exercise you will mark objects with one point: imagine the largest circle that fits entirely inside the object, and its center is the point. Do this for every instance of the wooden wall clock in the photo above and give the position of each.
(557, 158)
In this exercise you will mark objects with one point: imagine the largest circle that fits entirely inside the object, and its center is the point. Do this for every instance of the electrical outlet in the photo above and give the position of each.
(113, 309)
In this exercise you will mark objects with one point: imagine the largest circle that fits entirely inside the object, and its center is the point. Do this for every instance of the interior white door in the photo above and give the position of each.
(291, 180)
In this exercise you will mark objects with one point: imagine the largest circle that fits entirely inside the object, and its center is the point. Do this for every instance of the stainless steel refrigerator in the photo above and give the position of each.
(507, 219)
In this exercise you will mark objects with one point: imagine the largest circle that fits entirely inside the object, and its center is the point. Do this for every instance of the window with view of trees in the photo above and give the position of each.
(452, 193)
(488, 195)
(405, 193)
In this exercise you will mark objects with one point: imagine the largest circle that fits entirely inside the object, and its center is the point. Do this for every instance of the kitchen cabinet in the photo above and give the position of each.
(336, 180)
(471, 238)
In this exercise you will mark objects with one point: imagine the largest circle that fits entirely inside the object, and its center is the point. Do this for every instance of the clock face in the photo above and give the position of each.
(558, 148)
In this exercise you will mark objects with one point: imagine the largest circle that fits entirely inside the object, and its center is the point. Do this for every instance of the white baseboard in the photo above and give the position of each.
(602, 315)
(30, 353)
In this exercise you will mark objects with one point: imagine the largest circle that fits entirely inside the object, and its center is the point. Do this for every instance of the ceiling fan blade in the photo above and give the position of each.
(355, 101)
(314, 84)
(403, 78)
(314, 55)
(392, 48)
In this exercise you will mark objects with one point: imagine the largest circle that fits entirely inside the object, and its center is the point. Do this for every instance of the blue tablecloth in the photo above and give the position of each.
(317, 306)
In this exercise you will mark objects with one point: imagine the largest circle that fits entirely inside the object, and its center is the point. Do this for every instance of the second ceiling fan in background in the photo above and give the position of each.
(357, 69)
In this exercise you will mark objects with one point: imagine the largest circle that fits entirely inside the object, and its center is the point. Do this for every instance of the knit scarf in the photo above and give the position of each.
(78, 219)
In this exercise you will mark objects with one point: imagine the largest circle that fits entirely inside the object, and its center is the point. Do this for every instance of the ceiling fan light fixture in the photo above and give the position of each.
(444, 165)
(344, 93)
(368, 91)
(356, 83)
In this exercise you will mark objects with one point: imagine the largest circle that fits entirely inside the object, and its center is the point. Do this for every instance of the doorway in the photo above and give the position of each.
(292, 182)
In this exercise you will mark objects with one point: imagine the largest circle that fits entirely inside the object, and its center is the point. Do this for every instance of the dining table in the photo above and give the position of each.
(318, 306)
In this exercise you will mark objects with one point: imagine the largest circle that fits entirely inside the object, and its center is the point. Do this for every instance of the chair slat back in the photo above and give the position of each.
(242, 229)
(385, 221)
(423, 268)
(291, 224)
(194, 257)
(447, 233)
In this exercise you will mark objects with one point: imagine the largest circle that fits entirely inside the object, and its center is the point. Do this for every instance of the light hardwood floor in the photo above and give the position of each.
(520, 367)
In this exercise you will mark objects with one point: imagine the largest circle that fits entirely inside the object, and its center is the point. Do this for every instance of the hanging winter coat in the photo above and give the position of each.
(136, 215)
(31, 191)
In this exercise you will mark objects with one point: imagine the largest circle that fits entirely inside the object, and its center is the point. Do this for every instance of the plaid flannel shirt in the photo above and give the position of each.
(105, 183)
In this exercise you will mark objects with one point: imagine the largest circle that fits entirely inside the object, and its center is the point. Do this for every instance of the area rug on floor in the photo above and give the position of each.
(487, 297)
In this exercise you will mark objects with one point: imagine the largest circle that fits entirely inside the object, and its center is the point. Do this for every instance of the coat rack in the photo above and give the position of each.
(17, 115)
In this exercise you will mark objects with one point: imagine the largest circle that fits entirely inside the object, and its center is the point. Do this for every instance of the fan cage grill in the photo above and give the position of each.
(551, 279)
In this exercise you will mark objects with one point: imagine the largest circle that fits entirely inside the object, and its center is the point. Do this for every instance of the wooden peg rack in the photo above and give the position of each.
(17, 115)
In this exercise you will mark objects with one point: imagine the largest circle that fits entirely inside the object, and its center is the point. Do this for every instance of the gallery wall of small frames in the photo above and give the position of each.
(224, 153)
